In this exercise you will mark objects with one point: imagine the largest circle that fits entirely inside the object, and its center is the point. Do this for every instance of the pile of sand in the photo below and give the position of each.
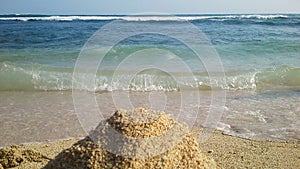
(15, 155)
(141, 139)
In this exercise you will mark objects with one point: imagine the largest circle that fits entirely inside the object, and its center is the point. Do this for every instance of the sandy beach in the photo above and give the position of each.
(67, 76)
(233, 152)
(227, 151)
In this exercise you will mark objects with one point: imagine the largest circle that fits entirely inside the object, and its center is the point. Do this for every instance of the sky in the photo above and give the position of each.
(93, 7)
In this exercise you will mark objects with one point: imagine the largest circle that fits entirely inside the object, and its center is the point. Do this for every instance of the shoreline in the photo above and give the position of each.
(227, 151)
(51, 115)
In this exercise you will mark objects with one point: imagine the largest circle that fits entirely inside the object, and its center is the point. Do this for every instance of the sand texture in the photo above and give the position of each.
(234, 152)
(227, 151)
(142, 139)
(218, 151)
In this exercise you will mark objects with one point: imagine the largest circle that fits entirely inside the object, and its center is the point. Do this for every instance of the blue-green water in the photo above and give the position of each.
(38, 52)
(260, 55)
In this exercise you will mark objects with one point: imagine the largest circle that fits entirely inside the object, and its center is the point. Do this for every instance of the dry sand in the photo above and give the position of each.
(234, 152)
(228, 152)
(139, 138)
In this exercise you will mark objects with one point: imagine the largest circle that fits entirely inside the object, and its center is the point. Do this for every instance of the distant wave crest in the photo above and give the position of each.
(134, 18)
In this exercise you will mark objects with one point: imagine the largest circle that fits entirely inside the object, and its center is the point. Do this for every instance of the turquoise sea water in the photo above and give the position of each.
(257, 51)
(260, 55)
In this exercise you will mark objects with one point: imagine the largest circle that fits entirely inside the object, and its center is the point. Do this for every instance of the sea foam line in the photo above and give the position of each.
(136, 18)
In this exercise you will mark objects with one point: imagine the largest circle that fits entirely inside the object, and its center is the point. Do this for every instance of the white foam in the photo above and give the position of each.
(61, 18)
(140, 18)
(223, 126)
(264, 16)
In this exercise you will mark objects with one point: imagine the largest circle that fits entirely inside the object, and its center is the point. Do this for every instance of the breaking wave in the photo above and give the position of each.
(136, 18)
(22, 78)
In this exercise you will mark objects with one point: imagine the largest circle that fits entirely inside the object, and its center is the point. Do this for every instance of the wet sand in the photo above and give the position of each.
(227, 151)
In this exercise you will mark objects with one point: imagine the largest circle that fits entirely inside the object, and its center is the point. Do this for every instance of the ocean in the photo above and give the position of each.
(259, 56)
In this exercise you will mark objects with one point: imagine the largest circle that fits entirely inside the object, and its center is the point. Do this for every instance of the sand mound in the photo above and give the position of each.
(15, 155)
(140, 123)
(106, 150)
